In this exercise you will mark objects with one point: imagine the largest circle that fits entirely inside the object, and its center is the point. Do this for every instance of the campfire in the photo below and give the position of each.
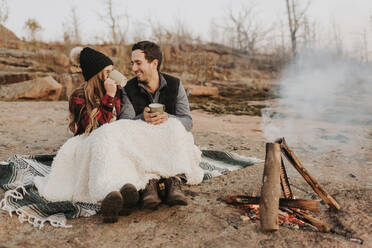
(270, 208)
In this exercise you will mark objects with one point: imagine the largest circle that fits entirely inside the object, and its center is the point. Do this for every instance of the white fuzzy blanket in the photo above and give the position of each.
(86, 169)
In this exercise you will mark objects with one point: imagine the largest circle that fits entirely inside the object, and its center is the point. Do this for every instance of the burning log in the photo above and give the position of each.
(306, 175)
(270, 191)
(320, 225)
(240, 200)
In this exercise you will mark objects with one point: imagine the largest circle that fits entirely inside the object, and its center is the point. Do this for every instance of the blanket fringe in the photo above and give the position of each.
(37, 222)
(14, 194)
(23, 215)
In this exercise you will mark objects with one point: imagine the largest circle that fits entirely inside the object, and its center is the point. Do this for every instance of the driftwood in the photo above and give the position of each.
(270, 191)
(241, 200)
(306, 175)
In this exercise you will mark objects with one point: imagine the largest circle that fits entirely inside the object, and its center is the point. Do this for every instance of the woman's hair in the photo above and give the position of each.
(92, 92)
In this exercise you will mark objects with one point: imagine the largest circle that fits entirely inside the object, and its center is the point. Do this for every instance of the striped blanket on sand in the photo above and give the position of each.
(17, 179)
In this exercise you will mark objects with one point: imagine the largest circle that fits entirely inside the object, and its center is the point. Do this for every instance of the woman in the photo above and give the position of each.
(104, 155)
(93, 104)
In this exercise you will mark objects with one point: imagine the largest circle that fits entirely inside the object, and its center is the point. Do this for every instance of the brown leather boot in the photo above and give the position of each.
(150, 197)
(130, 199)
(111, 206)
(174, 193)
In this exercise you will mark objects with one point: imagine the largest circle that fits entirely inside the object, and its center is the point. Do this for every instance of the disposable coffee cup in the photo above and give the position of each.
(157, 108)
(119, 78)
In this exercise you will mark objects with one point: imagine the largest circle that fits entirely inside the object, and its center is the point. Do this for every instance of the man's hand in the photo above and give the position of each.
(154, 118)
(110, 87)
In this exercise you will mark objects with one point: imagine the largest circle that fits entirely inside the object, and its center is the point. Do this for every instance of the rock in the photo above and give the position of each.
(61, 59)
(8, 38)
(7, 34)
(13, 77)
(65, 80)
(197, 90)
(77, 80)
(5, 52)
(69, 83)
(187, 77)
(45, 88)
(74, 69)
(167, 53)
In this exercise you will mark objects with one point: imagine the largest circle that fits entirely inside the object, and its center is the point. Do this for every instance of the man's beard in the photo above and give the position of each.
(146, 83)
(144, 80)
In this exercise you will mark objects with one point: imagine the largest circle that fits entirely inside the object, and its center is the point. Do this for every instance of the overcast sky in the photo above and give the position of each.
(351, 16)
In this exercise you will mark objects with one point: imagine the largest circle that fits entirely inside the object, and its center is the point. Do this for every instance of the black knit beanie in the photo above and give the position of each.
(92, 62)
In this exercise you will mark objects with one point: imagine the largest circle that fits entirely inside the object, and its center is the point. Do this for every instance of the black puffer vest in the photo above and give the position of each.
(168, 94)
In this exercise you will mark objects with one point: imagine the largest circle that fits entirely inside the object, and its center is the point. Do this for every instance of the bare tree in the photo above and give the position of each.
(33, 27)
(296, 17)
(139, 33)
(365, 57)
(247, 31)
(117, 26)
(214, 34)
(71, 28)
(66, 33)
(4, 12)
(336, 38)
(181, 32)
(309, 33)
(361, 43)
(158, 32)
(177, 33)
(76, 26)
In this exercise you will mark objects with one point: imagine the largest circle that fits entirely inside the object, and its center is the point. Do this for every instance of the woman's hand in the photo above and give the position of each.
(110, 87)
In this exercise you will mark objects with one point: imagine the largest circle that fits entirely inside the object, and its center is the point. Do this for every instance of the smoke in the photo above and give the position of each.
(325, 103)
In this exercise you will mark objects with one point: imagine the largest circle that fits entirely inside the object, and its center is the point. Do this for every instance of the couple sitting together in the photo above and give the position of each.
(122, 155)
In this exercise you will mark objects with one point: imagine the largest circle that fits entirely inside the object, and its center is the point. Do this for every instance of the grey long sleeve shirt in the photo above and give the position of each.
(182, 105)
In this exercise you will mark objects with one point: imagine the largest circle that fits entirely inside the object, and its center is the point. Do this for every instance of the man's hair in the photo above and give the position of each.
(151, 50)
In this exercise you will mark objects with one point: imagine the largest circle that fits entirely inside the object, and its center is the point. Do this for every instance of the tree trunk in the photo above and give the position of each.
(294, 44)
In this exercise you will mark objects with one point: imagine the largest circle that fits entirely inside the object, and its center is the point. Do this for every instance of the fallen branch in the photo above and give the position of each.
(239, 200)
(327, 198)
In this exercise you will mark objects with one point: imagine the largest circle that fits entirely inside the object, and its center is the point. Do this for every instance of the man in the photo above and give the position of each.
(150, 86)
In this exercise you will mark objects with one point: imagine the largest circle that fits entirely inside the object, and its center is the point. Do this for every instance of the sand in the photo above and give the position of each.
(41, 128)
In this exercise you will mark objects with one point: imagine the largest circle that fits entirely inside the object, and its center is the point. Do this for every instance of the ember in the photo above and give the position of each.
(252, 211)
(286, 217)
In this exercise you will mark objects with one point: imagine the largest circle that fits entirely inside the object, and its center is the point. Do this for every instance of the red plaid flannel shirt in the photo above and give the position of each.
(104, 114)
